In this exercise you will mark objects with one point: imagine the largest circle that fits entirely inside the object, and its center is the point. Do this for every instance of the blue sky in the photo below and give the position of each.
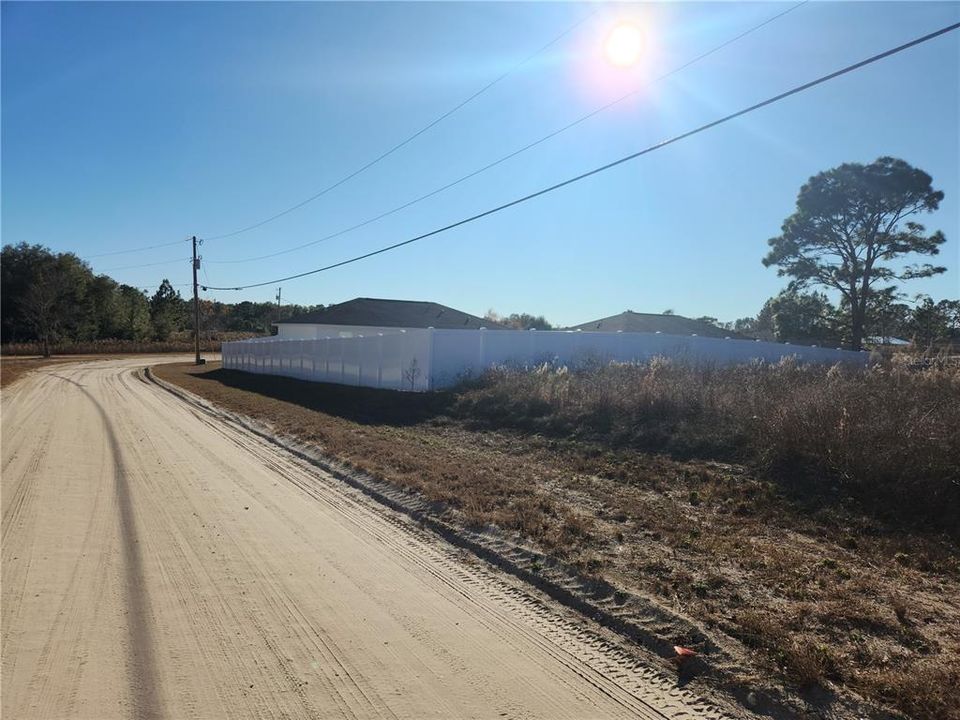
(133, 124)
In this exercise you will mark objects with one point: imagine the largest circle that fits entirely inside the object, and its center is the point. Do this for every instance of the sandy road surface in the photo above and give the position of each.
(160, 563)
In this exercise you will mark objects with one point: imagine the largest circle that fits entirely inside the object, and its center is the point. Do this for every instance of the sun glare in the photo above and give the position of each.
(624, 45)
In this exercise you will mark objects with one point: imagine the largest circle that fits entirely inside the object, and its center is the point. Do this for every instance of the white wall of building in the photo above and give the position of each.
(416, 359)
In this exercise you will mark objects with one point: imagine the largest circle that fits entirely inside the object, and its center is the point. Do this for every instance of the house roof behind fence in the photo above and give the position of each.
(378, 312)
(630, 321)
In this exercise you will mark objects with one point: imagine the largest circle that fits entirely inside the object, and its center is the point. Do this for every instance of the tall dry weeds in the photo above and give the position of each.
(887, 436)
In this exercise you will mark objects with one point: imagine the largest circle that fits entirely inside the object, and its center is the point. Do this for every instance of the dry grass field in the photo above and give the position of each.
(805, 518)
(178, 342)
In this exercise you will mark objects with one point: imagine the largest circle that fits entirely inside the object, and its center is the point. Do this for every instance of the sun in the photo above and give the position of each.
(624, 45)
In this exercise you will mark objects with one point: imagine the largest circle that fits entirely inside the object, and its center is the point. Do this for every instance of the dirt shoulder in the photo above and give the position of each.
(15, 367)
(796, 607)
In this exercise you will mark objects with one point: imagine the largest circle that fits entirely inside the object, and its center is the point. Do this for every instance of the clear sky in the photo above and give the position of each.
(133, 124)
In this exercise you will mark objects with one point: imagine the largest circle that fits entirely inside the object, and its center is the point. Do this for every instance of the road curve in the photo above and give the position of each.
(157, 563)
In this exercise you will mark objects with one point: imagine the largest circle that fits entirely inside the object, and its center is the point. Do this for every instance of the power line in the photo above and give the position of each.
(615, 163)
(136, 249)
(153, 264)
(408, 140)
(525, 148)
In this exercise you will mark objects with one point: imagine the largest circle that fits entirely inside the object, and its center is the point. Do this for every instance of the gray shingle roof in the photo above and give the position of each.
(630, 321)
(379, 312)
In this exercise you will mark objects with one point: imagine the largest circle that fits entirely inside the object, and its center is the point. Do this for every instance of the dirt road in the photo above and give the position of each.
(159, 563)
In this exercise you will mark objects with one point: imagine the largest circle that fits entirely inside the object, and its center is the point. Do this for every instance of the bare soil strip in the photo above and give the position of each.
(12, 368)
(160, 563)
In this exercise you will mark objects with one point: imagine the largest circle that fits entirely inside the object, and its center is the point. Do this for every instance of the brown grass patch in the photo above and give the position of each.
(820, 592)
(180, 342)
(888, 437)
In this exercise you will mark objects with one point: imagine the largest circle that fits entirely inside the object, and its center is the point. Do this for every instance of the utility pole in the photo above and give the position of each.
(279, 290)
(196, 305)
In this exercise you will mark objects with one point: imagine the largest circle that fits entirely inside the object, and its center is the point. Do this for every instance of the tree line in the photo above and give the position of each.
(809, 318)
(55, 299)
(519, 321)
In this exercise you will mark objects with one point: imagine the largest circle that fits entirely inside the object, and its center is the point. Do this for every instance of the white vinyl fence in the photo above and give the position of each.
(429, 359)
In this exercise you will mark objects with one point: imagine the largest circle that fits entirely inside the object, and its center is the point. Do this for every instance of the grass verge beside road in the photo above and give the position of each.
(784, 559)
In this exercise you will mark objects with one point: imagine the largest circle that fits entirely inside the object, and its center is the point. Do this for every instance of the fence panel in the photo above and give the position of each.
(405, 360)
(552, 347)
(394, 351)
(503, 347)
(455, 353)
(369, 352)
(418, 359)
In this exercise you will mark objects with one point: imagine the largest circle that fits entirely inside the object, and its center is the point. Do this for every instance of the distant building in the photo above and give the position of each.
(630, 321)
(368, 316)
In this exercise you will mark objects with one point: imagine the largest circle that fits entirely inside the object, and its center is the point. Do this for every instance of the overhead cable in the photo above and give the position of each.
(577, 178)
(404, 142)
(515, 153)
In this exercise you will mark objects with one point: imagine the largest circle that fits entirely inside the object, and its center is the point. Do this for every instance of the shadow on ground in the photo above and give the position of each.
(368, 406)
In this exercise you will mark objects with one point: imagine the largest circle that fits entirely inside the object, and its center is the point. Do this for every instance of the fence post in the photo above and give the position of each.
(429, 382)
(359, 362)
(483, 350)
(379, 359)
